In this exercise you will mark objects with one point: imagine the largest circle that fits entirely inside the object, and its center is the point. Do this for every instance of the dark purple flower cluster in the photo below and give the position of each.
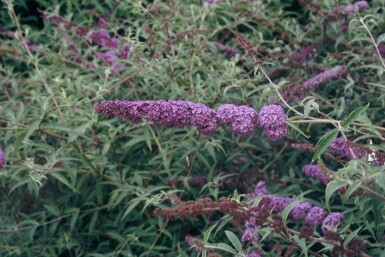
(242, 119)
(313, 215)
(110, 54)
(272, 118)
(231, 52)
(2, 158)
(353, 150)
(349, 9)
(314, 171)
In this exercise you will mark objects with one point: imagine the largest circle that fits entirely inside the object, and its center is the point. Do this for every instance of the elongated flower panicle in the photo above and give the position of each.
(353, 150)
(315, 82)
(242, 119)
(272, 118)
(314, 171)
(332, 221)
(2, 158)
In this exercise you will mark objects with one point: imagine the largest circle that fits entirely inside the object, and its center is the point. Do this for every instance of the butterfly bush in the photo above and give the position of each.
(314, 171)
(242, 119)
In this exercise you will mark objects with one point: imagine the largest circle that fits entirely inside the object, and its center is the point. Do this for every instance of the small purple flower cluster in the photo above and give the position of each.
(349, 9)
(313, 215)
(353, 150)
(230, 52)
(314, 171)
(272, 118)
(242, 119)
(250, 234)
(2, 158)
(111, 55)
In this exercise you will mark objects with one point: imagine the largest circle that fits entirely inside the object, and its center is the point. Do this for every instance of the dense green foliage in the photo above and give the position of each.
(79, 184)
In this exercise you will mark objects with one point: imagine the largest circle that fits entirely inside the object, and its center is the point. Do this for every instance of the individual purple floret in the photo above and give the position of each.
(2, 158)
(315, 82)
(332, 221)
(300, 211)
(315, 215)
(314, 171)
(272, 118)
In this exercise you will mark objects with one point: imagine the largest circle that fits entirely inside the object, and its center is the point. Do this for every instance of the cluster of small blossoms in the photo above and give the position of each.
(2, 158)
(272, 118)
(314, 171)
(313, 215)
(230, 52)
(242, 119)
(353, 150)
(349, 9)
(112, 52)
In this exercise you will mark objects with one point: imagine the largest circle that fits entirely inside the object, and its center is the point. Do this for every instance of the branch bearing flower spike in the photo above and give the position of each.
(272, 118)
(182, 113)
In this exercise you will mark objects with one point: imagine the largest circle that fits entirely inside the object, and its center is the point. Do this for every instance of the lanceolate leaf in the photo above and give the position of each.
(354, 115)
(331, 188)
(324, 143)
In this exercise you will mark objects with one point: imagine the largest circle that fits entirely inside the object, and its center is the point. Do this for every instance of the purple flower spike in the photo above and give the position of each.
(300, 210)
(314, 171)
(315, 216)
(278, 203)
(2, 158)
(126, 51)
(321, 78)
(332, 220)
(272, 118)
(244, 120)
(203, 118)
(260, 189)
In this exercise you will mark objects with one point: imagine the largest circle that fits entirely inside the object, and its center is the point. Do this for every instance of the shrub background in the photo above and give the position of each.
(78, 184)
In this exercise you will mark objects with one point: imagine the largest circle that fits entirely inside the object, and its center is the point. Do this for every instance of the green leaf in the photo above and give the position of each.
(223, 247)
(354, 115)
(381, 38)
(234, 240)
(331, 188)
(324, 143)
(63, 180)
(296, 128)
(351, 236)
(301, 243)
(352, 188)
(287, 210)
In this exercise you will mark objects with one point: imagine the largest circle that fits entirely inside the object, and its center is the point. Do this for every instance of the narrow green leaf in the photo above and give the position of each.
(351, 236)
(223, 247)
(296, 128)
(352, 188)
(234, 240)
(63, 180)
(286, 211)
(302, 243)
(324, 143)
(381, 38)
(331, 188)
(354, 115)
